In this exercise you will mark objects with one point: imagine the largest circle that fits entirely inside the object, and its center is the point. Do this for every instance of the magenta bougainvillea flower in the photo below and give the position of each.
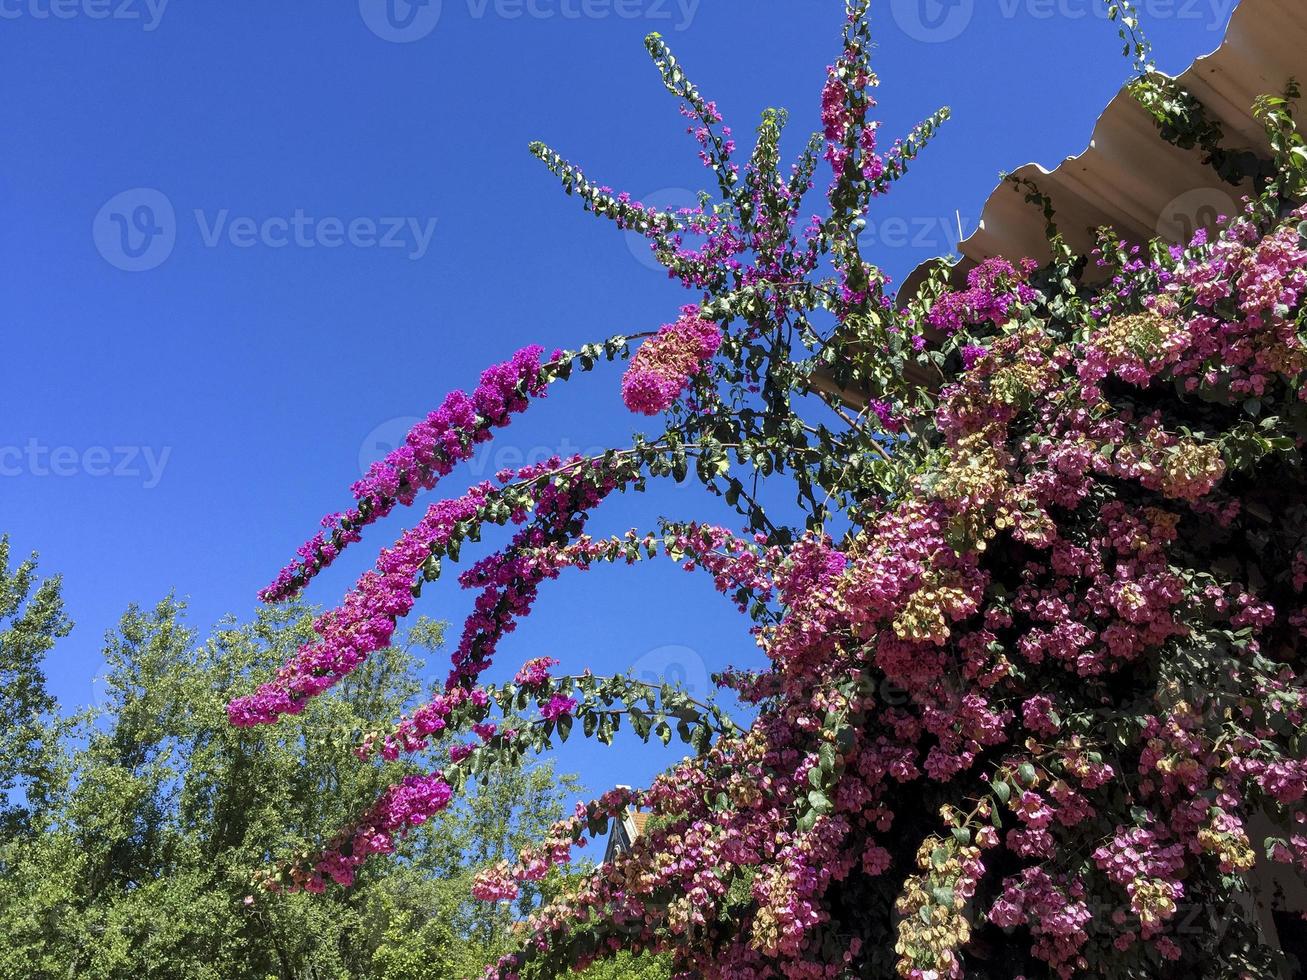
(664, 364)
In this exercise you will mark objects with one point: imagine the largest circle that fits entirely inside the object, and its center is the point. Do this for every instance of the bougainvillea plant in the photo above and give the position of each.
(1033, 696)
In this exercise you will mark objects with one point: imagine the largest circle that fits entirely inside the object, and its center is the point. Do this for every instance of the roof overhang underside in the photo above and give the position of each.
(1129, 178)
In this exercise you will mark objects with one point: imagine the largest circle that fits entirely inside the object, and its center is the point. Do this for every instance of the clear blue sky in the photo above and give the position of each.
(183, 427)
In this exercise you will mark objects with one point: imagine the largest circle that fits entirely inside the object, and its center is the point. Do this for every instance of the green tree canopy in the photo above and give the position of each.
(136, 859)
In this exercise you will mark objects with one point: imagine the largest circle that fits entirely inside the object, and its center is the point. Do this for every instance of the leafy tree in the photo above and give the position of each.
(140, 864)
(31, 620)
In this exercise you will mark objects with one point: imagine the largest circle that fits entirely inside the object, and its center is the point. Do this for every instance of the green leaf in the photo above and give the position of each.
(820, 802)
(827, 758)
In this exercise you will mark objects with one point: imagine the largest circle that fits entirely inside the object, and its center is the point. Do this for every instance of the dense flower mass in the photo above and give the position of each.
(1030, 699)
(994, 288)
(661, 368)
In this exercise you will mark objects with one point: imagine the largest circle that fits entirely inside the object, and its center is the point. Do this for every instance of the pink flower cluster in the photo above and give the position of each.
(1220, 325)
(409, 804)
(994, 289)
(535, 672)
(851, 136)
(664, 364)
(1055, 913)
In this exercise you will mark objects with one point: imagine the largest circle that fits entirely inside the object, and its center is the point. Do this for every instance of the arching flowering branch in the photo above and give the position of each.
(530, 560)
(365, 620)
(599, 704)
(430, 451)
(717, 147)
(560, 492)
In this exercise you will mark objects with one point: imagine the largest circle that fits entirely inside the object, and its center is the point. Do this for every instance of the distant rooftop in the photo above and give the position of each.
(624, 833)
